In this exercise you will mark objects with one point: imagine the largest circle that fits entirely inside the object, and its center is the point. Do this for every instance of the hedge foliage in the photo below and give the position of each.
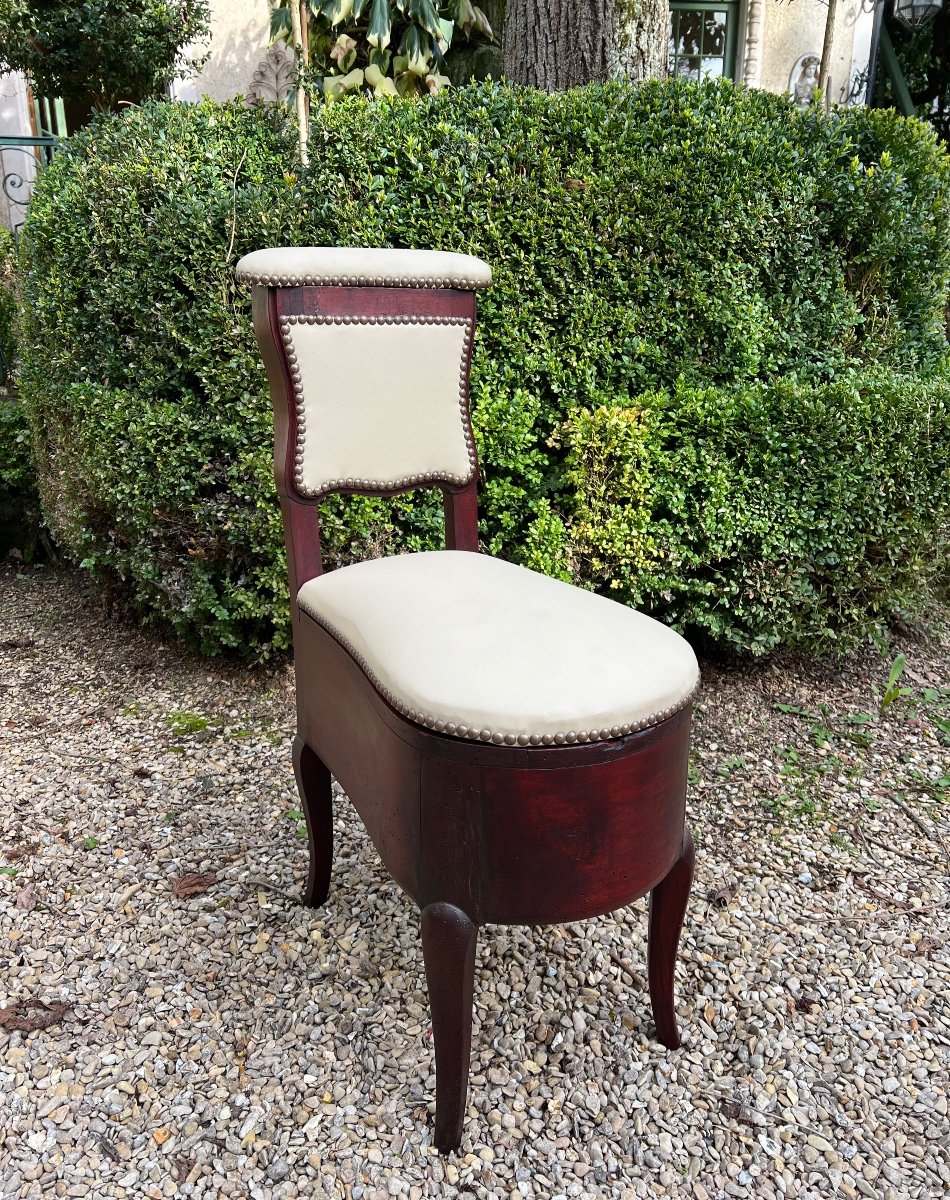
(712, 350)
(798, 514)
(19, 503)
(8, 307)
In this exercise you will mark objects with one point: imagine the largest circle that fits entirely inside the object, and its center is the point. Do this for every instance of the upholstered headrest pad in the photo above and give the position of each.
(300, 266)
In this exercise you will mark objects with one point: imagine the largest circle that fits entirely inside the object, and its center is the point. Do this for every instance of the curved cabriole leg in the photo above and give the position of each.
(316, 796)
(448, 946)
(667, 909)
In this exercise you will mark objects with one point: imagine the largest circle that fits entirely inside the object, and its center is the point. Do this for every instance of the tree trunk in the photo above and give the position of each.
(557, 44)
(641, 38)
(824, 71)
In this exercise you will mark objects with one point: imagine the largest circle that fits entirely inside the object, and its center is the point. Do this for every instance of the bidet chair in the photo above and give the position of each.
(516, 747)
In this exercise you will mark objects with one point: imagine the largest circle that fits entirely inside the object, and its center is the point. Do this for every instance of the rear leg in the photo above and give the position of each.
(316, 796)
(667, 909)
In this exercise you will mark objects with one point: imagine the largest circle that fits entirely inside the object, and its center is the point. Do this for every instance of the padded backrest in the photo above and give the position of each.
(375, 348)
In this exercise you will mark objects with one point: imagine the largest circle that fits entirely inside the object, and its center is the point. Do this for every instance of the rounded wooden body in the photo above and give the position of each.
(506, 834)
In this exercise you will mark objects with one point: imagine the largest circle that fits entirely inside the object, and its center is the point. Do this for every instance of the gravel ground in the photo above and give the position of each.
(230, 1043)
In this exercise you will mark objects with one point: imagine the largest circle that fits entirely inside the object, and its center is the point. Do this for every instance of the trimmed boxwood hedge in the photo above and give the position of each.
(7, 308)
(710, 376)
(796, 514)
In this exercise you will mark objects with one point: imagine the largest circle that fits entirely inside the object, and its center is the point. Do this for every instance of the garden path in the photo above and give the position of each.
(212, 1038)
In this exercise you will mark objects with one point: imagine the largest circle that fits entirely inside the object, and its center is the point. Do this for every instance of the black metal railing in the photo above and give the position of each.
(21, 159)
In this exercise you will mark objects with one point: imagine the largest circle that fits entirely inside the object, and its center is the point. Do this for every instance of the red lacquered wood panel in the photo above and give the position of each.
(378, 770)
(577, 842)
(331, 301)
(448, 947)
(668, 902)
(450, 828)
(461, 517)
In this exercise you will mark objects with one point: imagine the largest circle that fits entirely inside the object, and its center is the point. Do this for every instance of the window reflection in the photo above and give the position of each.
(702, 40)
(714, 34)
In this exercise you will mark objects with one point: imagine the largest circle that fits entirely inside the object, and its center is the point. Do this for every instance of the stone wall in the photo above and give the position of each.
(793, 31)
(240, 31)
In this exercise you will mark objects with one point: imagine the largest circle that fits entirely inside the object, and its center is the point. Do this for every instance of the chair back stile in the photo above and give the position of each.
(285, 314)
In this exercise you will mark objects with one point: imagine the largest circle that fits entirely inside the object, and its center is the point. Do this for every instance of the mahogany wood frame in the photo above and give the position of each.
(473, 832)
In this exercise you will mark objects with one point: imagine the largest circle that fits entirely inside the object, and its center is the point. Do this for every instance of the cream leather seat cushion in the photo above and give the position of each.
(481, 649)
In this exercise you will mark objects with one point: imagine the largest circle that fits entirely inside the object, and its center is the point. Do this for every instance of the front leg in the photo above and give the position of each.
(448, 947)
(316, 796)
(667, 909)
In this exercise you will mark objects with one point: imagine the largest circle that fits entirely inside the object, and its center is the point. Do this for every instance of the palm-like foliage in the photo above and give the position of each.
(392, 47)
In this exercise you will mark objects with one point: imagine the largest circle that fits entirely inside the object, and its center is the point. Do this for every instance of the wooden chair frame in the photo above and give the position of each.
(473, 832)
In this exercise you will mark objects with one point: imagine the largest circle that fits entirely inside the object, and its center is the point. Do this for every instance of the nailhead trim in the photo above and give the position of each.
(333, 485)
(488, 735)
(410, 281)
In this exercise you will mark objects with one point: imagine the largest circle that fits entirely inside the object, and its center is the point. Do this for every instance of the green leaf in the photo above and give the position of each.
(279, 24)
(381, 85)
(417, 48)
(339, 85)
(897, 670)
(424, 12)
(465, 16)
(482, 23)
(338, 12)
(858, 718)
(380, 26)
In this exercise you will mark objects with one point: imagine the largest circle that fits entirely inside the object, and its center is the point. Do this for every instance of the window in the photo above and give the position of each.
(703, 37)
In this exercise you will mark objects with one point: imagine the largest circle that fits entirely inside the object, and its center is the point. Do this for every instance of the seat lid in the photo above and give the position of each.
(479, 648)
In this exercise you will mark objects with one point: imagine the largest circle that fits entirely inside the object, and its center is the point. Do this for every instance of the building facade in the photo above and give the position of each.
(772, 44)
(764, 43)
